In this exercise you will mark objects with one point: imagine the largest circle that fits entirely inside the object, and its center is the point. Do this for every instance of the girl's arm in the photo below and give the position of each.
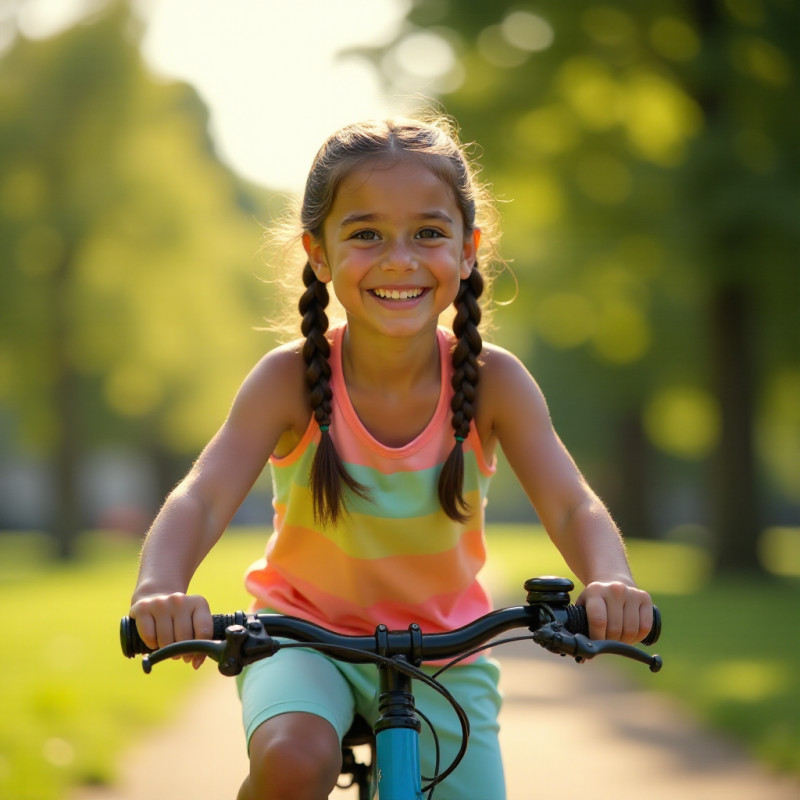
(270, 403)
(578, 523)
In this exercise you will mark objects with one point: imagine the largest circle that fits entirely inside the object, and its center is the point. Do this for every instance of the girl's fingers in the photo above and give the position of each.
(632, 623)
(146, 627)
(202, 621)
(596, 615)
(182, 626)
(167, 618)
(645, 620)
(617, 611)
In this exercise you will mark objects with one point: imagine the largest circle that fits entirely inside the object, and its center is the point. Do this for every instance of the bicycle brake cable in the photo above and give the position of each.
(489, 645)
(437, 751)
(412, 672)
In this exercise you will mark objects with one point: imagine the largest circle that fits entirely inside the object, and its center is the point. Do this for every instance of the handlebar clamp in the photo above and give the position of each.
(245, 645)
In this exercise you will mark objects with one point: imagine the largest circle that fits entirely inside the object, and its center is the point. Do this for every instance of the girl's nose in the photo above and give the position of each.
(399, 256)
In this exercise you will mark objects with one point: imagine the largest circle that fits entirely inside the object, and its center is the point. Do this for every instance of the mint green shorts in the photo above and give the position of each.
(303, 680)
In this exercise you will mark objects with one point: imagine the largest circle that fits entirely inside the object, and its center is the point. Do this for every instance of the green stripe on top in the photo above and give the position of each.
(365, 537)
(395, 496)
(402, 517)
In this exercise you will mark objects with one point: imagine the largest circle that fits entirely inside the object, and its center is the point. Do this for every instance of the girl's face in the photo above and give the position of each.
(394, 246)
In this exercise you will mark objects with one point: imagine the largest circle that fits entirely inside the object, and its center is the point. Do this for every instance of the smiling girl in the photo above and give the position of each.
(381, 436)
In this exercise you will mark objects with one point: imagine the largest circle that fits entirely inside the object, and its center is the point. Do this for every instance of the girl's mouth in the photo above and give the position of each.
(397, 294)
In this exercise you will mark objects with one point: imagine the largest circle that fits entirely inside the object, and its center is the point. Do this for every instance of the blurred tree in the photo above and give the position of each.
(127, 257)
(649, 151)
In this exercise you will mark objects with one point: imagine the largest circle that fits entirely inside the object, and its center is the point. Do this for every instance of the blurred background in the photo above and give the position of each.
(645, 156)
(645, 160)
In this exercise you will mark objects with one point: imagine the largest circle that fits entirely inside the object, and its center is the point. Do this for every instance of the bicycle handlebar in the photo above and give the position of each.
(240, 639)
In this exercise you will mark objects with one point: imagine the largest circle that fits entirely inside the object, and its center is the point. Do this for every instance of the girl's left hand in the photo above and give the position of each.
(617, 610)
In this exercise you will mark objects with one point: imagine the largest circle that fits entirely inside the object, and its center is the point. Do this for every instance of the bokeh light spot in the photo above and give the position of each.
(622, 335)
(747, 680)
(424, 54)
(683, 421)
(674, 39)
(590, 90)
(495, 48)
(527, 31)
(548, 131)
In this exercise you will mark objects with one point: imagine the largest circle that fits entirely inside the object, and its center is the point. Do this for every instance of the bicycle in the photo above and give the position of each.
(394, 766)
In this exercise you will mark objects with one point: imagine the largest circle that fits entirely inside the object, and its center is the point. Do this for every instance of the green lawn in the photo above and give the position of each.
(71, 702)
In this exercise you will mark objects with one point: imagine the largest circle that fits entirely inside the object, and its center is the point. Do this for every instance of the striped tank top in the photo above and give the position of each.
(395, 558)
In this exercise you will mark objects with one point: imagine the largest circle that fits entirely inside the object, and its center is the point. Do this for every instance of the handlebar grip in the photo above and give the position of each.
(133, 645)
(577, 622)
(129, 639)
(655, 631)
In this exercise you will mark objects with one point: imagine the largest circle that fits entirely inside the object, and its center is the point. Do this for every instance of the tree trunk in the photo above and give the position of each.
(734, 485)
(735, 508)
(634, 516)
(66, 525)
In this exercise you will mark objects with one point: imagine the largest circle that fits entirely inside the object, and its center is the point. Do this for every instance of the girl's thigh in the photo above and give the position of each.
(295, 680)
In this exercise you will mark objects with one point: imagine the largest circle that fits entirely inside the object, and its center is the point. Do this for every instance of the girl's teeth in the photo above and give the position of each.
(396, 294)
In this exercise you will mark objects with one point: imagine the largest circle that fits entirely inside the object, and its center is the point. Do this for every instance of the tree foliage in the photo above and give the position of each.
(129, 255)
(648, 154)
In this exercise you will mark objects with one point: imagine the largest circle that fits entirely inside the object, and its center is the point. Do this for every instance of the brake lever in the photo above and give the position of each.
(205, 647)
(555, 638)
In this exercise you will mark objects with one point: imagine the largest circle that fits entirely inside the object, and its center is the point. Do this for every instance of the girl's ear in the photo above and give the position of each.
(316, 257)
(469, 254)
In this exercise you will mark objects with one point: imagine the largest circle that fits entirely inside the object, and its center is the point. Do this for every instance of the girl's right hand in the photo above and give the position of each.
(162, 619)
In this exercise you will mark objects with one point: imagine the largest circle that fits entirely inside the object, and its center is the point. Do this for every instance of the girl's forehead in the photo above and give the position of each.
(393, 181)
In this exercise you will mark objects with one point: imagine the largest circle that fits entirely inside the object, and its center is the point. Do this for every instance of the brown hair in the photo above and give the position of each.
(438, 145)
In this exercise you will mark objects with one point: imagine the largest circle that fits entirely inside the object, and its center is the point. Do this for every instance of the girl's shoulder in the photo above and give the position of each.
(282, 362)
(276, 387)
(501, 365)
(506, 389)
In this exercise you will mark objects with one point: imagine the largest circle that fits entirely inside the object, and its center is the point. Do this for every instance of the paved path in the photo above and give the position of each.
(568, 731)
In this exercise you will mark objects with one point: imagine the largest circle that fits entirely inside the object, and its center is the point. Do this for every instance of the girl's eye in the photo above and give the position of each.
(429, 233)
(366, 236)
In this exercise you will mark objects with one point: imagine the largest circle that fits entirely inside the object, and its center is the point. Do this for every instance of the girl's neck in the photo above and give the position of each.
(390, 363)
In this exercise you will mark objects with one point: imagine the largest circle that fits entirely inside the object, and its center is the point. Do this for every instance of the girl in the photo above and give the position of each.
(381, 436)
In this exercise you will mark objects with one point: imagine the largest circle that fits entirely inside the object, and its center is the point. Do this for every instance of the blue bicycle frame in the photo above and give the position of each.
(397, 764)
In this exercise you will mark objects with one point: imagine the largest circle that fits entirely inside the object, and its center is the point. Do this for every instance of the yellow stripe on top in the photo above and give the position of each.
(393, 559)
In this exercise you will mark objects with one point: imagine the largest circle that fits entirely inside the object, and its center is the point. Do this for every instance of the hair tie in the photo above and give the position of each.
(459, 438)
(324, 428)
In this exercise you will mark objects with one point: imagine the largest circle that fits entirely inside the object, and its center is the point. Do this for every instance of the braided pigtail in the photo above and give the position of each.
(327, 470)
(465, 381)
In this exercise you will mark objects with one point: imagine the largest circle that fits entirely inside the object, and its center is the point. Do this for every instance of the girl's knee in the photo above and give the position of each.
(295, 756)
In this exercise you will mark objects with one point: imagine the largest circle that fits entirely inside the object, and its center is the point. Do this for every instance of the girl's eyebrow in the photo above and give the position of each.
(357, 219)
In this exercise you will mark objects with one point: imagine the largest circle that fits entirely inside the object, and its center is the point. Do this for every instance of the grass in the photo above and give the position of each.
(71, 703)
(732, 653)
